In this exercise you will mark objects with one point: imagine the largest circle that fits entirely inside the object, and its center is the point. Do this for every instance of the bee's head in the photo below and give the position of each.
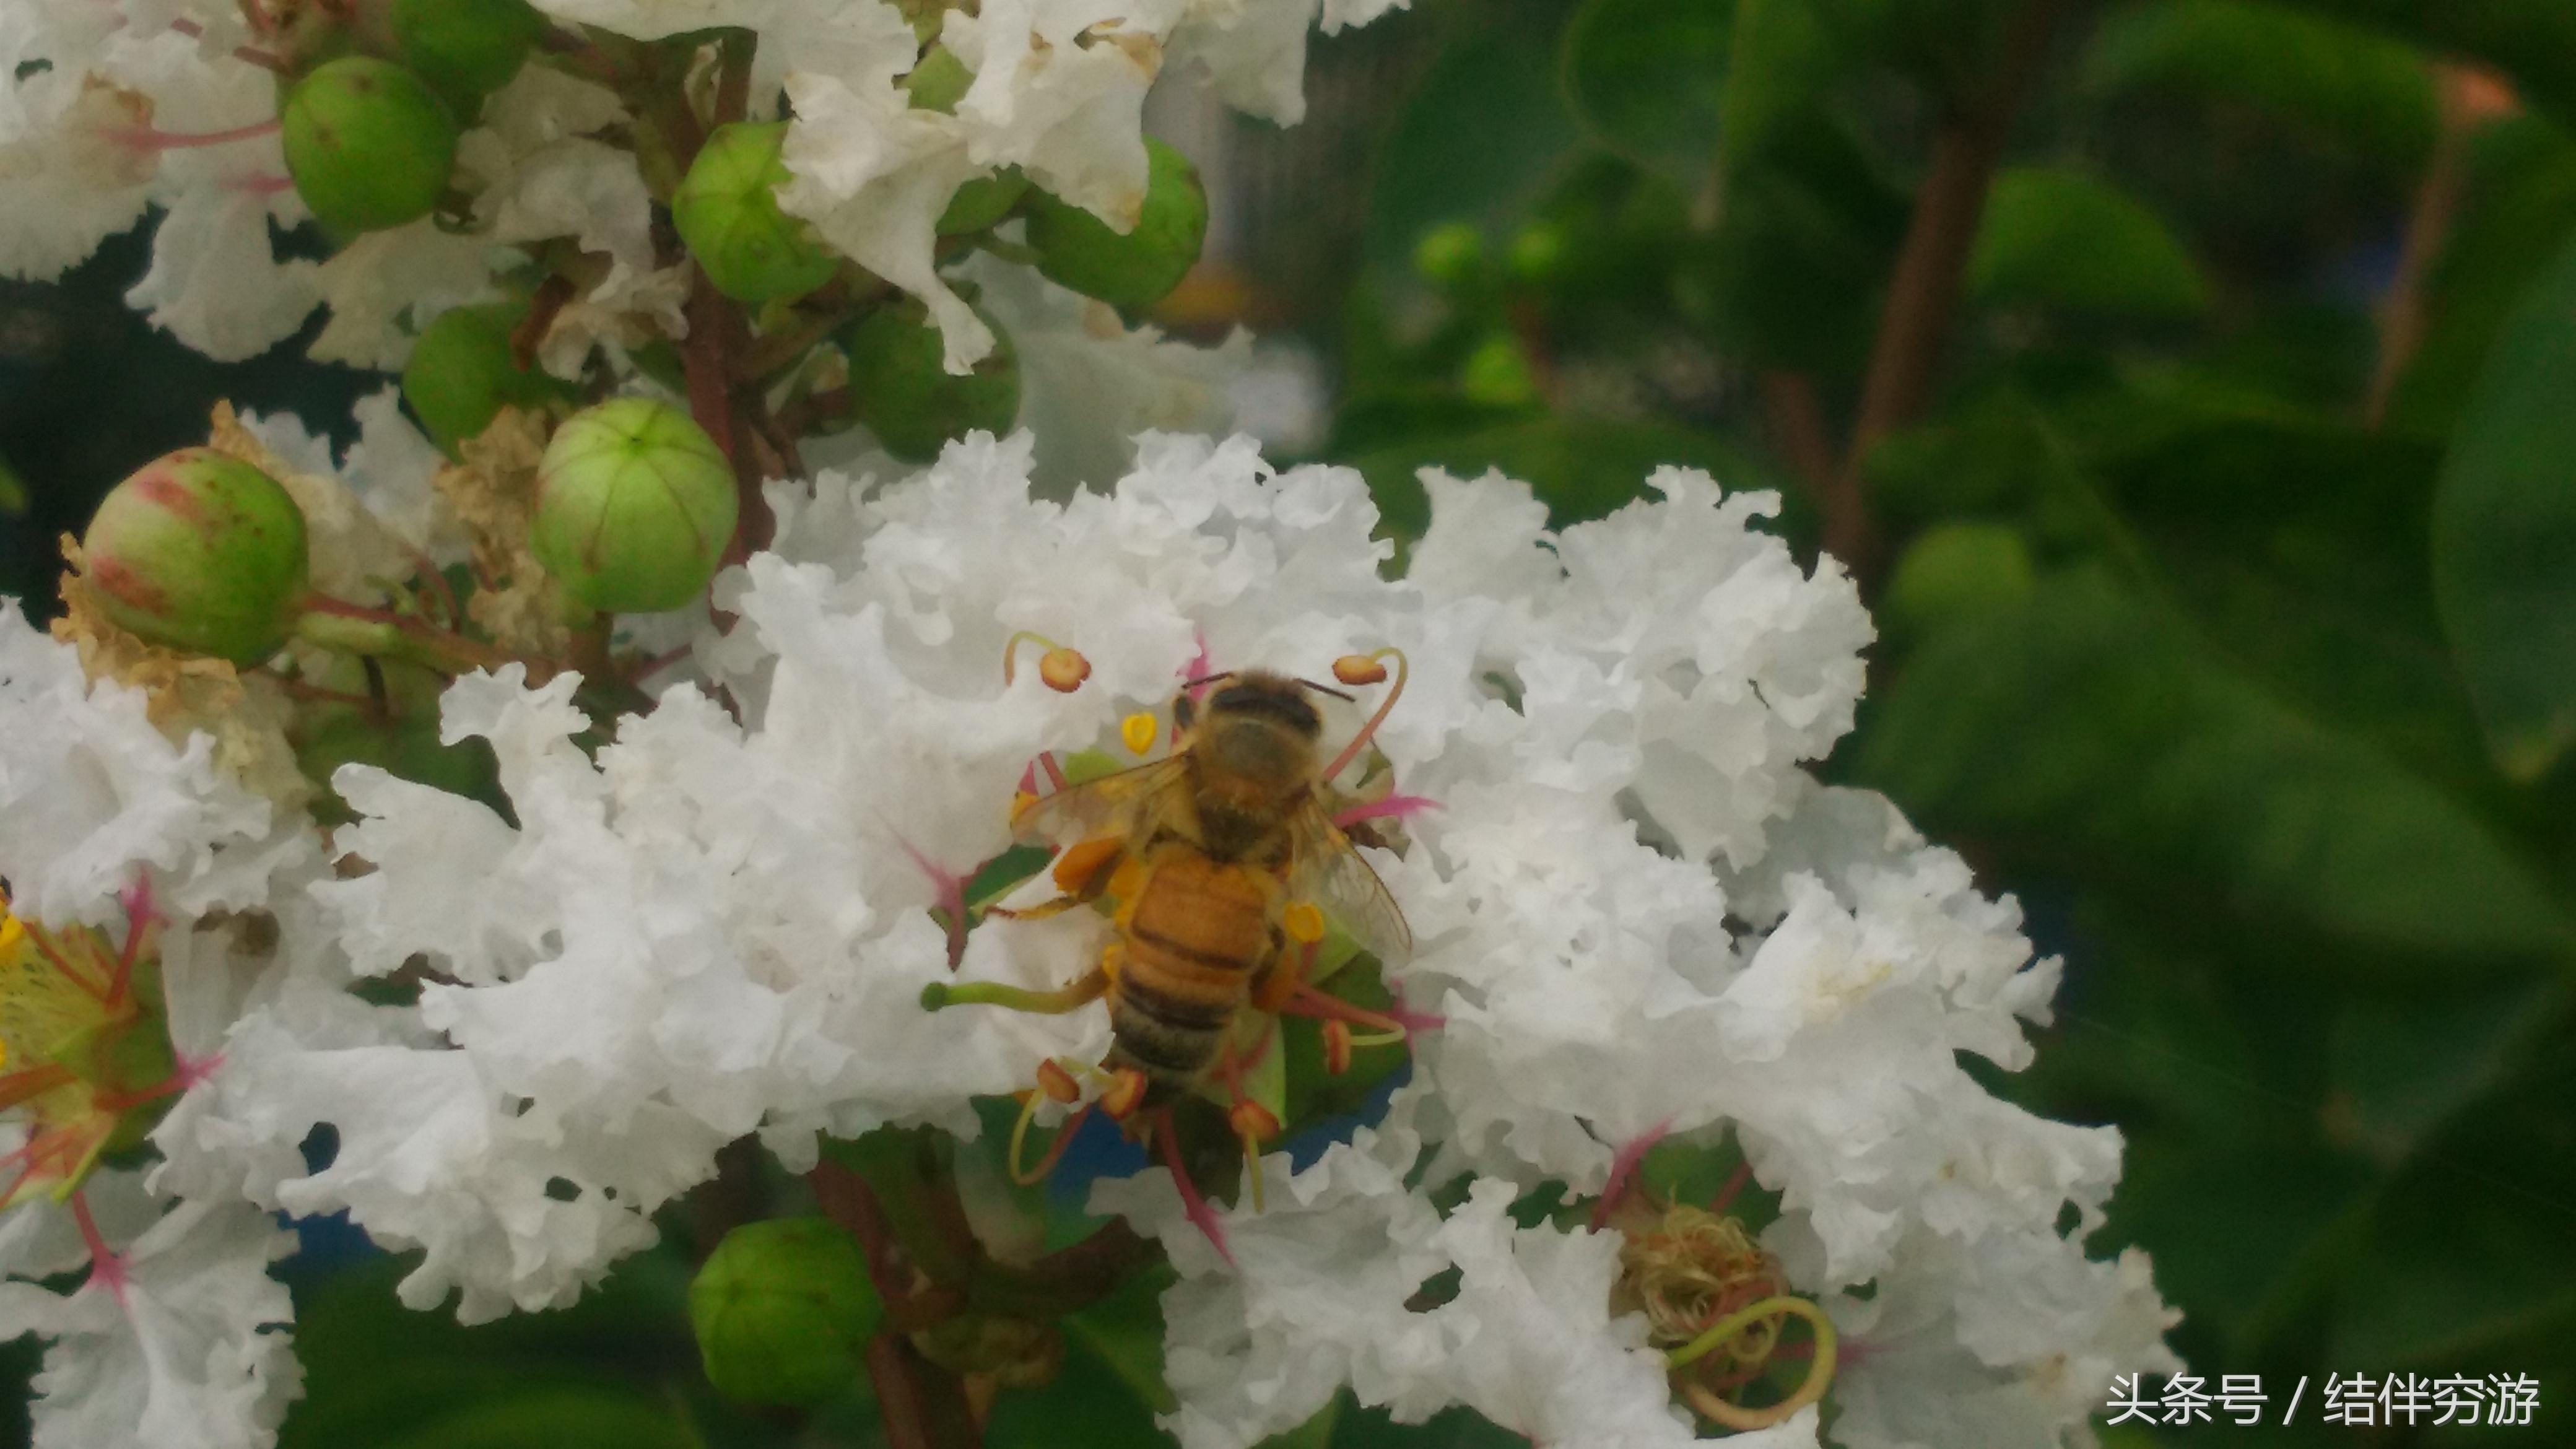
(1256, 725)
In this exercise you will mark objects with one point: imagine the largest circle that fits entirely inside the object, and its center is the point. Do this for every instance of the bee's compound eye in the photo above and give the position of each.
(1185, 712)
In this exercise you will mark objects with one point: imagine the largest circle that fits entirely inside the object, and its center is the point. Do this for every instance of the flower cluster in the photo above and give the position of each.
(477, 832)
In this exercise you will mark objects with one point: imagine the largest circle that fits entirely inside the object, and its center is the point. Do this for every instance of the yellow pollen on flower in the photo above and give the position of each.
(1303, 923)
(1139, 730)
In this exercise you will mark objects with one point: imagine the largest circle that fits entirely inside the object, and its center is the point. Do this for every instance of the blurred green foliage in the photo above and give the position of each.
(2227, 572)
(2226, 575)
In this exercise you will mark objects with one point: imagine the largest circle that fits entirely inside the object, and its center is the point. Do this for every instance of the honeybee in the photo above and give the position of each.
(1222, 859)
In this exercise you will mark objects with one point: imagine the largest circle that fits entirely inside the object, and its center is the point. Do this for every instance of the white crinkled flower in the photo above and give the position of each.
(93, 796)
(183, 1346)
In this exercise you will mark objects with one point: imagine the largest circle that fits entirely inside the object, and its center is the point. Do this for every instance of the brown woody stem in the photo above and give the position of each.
(1931, 268)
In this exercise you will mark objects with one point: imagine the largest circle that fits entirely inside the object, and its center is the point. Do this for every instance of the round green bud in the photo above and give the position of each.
(983, 202)
(369, 144)
(466, 49)
(635, 504)
(200, 553)
(783, 1309)
(1080, 251)
(1498, 373)
(1538, 252)
(727, 211)
(901, 387)
(1450, 255)
(462, 372)
(1956, 571)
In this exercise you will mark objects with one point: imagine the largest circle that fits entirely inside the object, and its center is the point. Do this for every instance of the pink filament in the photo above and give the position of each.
(1402, 807)
(1623, 1171)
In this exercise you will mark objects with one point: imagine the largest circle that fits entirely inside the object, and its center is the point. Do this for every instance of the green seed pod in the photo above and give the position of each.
(903, 391)
(635, 504)
(462, 372)
(369, 144)
(1451, 255)
(200, 553)
(727, 211)
(466, 49)
(1079, 250)
(783, 1310)
(983, 202)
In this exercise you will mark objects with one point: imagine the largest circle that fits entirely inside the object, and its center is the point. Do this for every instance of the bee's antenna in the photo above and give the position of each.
(1328, 689)
(1203, 681)
(1365, 669)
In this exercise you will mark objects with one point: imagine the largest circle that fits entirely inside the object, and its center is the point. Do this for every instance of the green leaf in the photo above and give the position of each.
(1781, 55)
(1482, 136)
(2089, 724)
(2336, 81)
(1580, 467)
(13, 492)
(2504, 534)
(2061, 239)
(1088, 1405)
(1645, 78)
(2461, 1266)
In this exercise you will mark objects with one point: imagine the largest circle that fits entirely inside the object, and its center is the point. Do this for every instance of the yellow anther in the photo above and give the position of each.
(1056, 1082)
(1021, 800)
(1303, 923)
(1138, 730)
(1063, 669)
(1337, 1047)
(11, 934)
(1126, 1091)
(1358, 669)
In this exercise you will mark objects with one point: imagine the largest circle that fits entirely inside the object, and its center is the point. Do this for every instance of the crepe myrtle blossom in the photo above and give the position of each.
(111, 107)
(1637, 918)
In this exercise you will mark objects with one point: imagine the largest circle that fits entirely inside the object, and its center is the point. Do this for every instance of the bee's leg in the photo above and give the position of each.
(1074, 997)
(1281, 975)
(1083, 873)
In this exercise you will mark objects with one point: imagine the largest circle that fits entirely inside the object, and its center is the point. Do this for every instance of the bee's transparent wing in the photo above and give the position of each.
(1110, 805)
(1330, 872)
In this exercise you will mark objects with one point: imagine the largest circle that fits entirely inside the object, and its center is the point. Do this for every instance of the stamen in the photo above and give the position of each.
(1623, 1170)
(1303, 922)
(1358, 669)
(1734, 1184)
(1126, 1089)
(1337, 1047)
(1193, 1206)
(1064, 669)
(1137, 731)
(1396, 1021)
(1055, 1150)
(1056, 1082)
(1359, 742)
(104, 1265)
(1400, 806)
(1820, 1367)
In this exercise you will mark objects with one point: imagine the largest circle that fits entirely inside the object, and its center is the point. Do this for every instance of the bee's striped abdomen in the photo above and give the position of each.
(1194, 937)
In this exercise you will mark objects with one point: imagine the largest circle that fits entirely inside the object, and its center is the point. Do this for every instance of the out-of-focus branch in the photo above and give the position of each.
(2469, 99)
(1931, 268)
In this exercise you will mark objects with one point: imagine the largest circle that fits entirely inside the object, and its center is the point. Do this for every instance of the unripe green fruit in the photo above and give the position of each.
(1451, 255)
(904, 392)
(635, 504)
(783, 1310)
(462, 372)
(466, 49)
(200, 553)
(369, 144)
(727, 211)
(1079, 250)
(983, 202)
(1957, 571)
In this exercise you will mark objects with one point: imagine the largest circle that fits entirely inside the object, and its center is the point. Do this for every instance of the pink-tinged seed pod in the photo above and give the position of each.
(635, 505)
(200, 553)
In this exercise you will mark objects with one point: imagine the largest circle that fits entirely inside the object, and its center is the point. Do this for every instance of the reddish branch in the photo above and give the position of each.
(1923, 294)
(2468, 100)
